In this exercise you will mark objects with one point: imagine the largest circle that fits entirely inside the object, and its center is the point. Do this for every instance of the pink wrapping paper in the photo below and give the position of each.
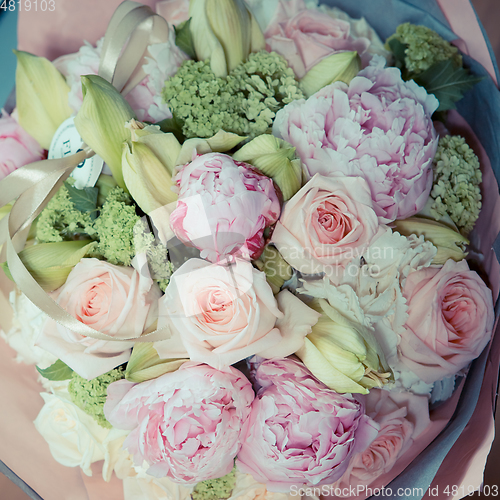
(26, 452)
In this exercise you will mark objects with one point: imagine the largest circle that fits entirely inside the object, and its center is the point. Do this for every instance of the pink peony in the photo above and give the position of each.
(310, 36)
(145, 99)
(223, 207)
(220, 315)
(174, 11)
(118, 301)
(379, 128)
(326, 224)
(186, 425)
(450, 320)
(300, 432)
(17, 147)
(402, 418)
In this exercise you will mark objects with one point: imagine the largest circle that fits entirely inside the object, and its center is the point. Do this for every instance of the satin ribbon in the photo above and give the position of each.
(34, 185)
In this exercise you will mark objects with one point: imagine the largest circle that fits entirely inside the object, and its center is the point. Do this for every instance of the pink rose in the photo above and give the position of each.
(450, 320)
(310, 36)
(174, 11)
(220, 315)
(379, 128)
(115, 300)
(17, 147)
(187, 424)
(300, 433)
(402, 417)
(326, 224)
(223, 207)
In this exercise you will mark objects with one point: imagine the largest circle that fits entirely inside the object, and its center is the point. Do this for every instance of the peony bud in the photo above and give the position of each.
(343, 354)
(41, 97)
(101, 122)
(276, 269)
(341, 66)
(145, 364)
(225, 32)
(146, 177)
(275, 158)
(450, 244)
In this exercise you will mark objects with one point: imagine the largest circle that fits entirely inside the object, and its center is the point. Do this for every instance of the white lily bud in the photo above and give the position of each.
(41, 97)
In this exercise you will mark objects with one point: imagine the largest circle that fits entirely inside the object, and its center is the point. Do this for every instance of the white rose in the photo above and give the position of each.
(144, 485)
(75, 439)
(27, 323)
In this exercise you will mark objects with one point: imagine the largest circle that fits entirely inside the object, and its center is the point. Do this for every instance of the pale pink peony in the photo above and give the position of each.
(118, 301)
(186, 425)
(450, 320)
(223, 208)
(300, 433)
(379, 128)
(402, 418)
(310, 36)
(17, 147)
(145, 99)
(220, 315)
(326, 224)
(174, 11)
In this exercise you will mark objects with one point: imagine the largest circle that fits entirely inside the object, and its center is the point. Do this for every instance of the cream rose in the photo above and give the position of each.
(118, 301)
(75, 439)
(221, 314)
(450, 320)
(326, 224)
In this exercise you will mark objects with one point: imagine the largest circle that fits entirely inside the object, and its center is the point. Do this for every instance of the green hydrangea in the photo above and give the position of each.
(215, 489)
(244, 103)
(115, 228)
(157, 255)
(424, 47)
(457, 176)
(61, 221)
(90, 395)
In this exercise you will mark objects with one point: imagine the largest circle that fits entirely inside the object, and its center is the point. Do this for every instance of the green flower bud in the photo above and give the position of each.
(275, 158)
(450, 243)
(101, 122)
(145, 364)
(51, 263)
(341, 66)
(225, 32)
(41, 97)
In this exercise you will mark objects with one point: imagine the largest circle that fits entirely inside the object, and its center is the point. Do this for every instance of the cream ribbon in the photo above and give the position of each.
(34, 185)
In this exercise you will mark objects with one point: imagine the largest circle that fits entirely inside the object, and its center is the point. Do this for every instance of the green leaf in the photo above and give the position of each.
(447, 82)
(57, 371)
(85, 200)
(174, 126)
(398, 49)
(184, 39)
(6, 270)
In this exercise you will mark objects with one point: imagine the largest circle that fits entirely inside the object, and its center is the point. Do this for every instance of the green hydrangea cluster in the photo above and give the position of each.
(90, 395)
(244, 103)
(457, 176)
(215, 489)
(115, 228)
(61, 221)
(424, 47)
(157, 255)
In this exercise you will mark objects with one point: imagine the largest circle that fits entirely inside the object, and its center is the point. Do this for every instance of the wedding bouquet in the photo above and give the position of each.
(250, 248)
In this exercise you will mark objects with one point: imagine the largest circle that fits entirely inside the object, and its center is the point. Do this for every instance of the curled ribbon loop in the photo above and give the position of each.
(34, 185)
